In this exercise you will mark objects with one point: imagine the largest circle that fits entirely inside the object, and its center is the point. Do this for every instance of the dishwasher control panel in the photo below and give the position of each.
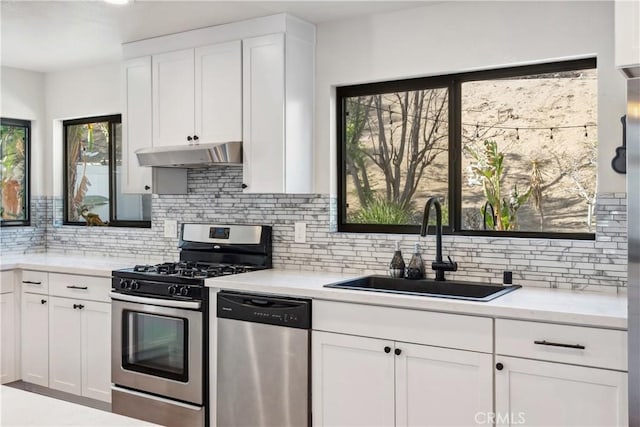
(268, 309)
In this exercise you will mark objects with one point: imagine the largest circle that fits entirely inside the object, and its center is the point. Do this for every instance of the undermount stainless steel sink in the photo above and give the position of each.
(442, 289)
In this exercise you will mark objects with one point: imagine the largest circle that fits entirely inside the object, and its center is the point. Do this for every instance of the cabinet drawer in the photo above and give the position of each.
(36, 282)
(604, 348)
(413, 326)
(6, 281)
(83, 287)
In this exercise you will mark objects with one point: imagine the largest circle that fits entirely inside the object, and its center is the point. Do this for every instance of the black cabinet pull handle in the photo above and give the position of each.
(499, 366)
(78, 306)
(189, 138)
(397, 352)
(387, 349)
(43, 301)
(557, 344)
(146, 187)
(84, 288)
(244, 185)
(195, 137)
(75, 306)
(29, 282)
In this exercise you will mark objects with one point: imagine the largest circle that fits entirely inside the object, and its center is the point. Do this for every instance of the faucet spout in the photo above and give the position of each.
(425, 224)
(438, 264)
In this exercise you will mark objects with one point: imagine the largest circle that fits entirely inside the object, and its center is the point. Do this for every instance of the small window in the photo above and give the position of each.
(508, 152)
(93, 165)
(15, 144)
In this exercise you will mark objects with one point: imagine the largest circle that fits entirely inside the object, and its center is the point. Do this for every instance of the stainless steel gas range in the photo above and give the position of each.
(159, 363)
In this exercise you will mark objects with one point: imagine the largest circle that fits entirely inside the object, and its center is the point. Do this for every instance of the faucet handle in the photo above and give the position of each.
(454, 265)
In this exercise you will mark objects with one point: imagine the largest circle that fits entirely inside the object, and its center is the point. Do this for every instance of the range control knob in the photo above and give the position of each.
(173, 289)
(184, 291)
(135, 285)
(124, 284)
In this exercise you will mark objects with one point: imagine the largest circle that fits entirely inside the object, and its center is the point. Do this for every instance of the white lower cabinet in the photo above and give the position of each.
(559, 375)
(536, 393)
(367, 381)
(35, 338)
(8, 342)
(353, 380)
(79, 354)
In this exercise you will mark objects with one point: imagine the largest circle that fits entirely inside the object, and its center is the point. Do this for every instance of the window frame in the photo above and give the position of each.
(27, 172)
(113, 120)
(454, 83)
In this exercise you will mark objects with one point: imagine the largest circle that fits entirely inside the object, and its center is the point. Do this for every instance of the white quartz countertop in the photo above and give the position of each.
(527, 303)
(23, 408)
(70, 264)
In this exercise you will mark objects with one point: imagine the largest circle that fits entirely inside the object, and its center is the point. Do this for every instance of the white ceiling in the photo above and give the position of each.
(49, 36)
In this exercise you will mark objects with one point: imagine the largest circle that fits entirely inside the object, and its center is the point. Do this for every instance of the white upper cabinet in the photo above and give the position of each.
(136, 123)
(627, 33)
(218, 92)
(197, 95)
(263, 146)
(278, 75)
(173, 98)
(249, 81)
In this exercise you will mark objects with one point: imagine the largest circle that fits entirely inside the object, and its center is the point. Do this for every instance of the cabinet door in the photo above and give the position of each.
(96, 350)
(440, 386)
(173, 98)
(537, 393)
(627, 33)
(35, 339)
(64, 345)
(353, 381)
(8, 341)
(136, 123)
(218, 92)
(263, 114)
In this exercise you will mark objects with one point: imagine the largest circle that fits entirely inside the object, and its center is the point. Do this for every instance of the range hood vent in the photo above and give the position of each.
(191, 156)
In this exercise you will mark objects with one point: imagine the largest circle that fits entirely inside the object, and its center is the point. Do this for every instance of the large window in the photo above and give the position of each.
(93, 166)
(508, 152)
(15, 136)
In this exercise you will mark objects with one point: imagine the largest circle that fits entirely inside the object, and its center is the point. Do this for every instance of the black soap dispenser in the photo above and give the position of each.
(415, 270)
(396, 267)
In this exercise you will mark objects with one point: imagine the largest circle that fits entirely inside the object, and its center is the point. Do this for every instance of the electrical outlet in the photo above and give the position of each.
(170, 228)
(300, 233)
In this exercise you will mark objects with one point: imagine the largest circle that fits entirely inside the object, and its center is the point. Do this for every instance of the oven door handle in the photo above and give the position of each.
(155, 301)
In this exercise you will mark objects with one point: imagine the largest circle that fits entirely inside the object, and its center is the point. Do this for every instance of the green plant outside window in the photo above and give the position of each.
(14, 155)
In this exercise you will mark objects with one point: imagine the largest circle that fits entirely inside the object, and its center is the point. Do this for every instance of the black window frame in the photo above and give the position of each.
(113, 120)
(5, 121)
(454, 83)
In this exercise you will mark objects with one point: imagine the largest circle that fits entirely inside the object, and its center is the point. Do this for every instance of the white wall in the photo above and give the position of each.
(82, 92)
(464, 36)
(22, 94)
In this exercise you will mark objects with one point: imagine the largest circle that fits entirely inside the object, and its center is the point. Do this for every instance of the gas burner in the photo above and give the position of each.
(143, 268)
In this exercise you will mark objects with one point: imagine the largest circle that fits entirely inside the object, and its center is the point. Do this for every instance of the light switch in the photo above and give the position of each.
(170, 228)
(300, 232)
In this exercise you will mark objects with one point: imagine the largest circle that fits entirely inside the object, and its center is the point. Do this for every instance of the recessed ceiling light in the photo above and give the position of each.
(117, 1)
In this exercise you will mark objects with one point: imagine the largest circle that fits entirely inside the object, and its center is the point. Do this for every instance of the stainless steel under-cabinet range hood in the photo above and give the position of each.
(192, 156)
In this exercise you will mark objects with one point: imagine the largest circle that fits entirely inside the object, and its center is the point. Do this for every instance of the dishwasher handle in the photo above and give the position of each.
(268, 309)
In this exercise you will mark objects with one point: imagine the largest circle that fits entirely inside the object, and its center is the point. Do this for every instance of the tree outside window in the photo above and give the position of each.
(14, 153)
(508, 152)
(93, 159)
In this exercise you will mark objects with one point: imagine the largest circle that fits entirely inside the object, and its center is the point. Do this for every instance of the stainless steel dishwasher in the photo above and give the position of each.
(263, 375)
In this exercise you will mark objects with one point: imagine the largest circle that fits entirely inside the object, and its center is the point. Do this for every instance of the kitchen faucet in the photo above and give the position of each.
(438, 265)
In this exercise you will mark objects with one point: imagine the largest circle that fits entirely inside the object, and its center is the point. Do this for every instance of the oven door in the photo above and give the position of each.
(157, 349)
